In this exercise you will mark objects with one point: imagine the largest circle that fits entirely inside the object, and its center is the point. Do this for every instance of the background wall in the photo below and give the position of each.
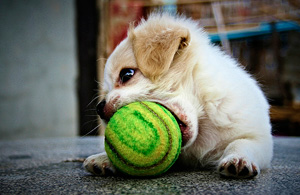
(37, 69)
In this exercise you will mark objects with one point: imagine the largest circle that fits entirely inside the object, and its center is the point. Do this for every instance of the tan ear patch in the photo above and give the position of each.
(155, 48)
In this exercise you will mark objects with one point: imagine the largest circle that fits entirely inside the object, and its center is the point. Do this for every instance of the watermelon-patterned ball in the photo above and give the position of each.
(143, 139)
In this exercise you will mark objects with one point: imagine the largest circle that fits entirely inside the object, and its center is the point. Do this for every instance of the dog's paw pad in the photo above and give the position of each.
(238, 167)
(99, 165)
(97, 170)
(104, 170)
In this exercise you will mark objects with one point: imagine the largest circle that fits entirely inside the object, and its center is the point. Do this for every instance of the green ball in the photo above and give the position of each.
(143, 139)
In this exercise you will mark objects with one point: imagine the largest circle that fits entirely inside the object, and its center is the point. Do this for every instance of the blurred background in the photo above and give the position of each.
(52, 55)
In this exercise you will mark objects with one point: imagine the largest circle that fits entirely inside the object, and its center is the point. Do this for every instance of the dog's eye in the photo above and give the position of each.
(126, 74)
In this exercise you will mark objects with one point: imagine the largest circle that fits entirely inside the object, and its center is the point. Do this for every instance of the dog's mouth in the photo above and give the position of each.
(183, 124)
(184, 130)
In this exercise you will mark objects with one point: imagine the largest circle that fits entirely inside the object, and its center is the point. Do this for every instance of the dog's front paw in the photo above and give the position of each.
(99, 164)
(240, 167)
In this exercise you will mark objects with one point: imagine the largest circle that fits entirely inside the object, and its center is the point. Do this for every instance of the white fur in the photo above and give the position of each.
(223, 106)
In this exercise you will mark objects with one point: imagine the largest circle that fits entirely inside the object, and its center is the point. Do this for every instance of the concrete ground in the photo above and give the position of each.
(40, 166)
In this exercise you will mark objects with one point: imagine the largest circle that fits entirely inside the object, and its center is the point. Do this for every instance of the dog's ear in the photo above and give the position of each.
(155, 49)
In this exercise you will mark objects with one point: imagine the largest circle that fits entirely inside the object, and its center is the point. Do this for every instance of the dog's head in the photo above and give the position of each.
(156, 63)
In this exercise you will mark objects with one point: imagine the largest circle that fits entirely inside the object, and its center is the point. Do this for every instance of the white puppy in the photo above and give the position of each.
(222, 112)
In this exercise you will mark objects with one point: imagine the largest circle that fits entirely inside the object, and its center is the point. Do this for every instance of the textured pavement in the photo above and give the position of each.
(40, 166)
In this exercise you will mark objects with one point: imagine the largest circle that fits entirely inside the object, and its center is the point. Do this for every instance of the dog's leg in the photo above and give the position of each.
(243, 158)
(99, 164)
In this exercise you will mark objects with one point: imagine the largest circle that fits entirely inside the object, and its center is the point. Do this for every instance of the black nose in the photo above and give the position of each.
(100, 109)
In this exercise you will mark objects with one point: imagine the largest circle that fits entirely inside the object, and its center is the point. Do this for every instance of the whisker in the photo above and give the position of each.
(92, 130)
(98, 82)
(87, 110)
(93, 100)
(88, 122)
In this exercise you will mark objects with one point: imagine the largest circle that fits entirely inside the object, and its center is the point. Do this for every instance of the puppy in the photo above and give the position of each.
(222, 113)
